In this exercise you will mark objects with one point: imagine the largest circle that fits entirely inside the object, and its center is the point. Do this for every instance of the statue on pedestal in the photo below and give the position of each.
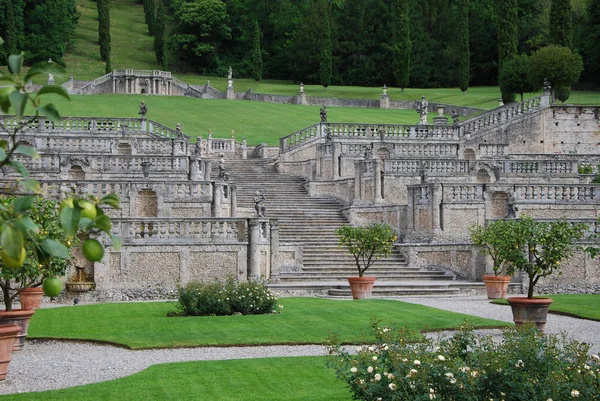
(454, 117)
(323, 114)
(230, 73)
(422, 110)
(259, 204)
(511, 207)
(143, 110)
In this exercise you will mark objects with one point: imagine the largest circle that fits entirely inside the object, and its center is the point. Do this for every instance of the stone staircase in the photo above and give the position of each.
(311, 222)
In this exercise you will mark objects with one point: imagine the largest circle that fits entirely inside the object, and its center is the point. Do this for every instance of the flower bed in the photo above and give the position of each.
(525, 366)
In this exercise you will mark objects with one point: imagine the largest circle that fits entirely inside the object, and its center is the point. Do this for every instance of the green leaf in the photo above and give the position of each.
(29, 224)
(12, 241)
(3, 144)
(18, 100)
(7, 80)
(56, 89)
(23, 203)
(116, 242)
(31, 184)
(2, 155)
(19, 167)
(15, 61)
(110, 200)
(103, 222)
(55, 248)
(50, 111)
(27, 151)
(86, 223)
(69, 220)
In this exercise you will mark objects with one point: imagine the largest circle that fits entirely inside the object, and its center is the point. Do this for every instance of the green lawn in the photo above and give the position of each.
(304, 321)
(256, 121)
(584, 306)
(270, 379)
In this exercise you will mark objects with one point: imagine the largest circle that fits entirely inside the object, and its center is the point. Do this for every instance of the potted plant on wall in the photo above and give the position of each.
(494, 239)
(538, 250)
(366, 244)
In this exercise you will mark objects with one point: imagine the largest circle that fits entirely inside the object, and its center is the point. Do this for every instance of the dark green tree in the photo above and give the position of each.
(507, 38)
(464, 57)
(325, 49)
(483, 35)
(561, 25)
(160, 42)
(515, 76)
(11, 33)
(104, 29)
(150, 15)
(590, 47)
(402, 45)
(257, 62)
(558, 64)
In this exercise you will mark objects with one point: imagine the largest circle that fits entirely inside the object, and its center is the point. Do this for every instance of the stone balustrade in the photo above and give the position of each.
(492, 150)
(539, 166)
(141, 73)
(557, 193)
(502, 115)
(461, 193)
(184, 231)
(434, 166)
(426, 150)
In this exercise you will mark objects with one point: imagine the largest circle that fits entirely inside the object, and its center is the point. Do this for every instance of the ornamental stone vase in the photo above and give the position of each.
(361, 287)
(8, 332)
(31, 298)
(496, 286)
(533, 310)
(18, 317)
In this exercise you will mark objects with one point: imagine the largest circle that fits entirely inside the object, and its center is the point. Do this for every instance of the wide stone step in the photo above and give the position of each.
(395, 292)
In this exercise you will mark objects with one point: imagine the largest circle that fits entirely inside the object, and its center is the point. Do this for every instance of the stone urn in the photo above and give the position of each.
(361, 287)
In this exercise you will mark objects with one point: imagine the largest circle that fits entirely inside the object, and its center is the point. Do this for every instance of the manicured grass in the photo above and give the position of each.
(584, 306)
(271, 379)
(258, 122)
(304, 321)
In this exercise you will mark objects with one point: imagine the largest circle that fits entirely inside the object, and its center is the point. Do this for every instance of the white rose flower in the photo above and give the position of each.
(353, 369)
(417, 362)
(377, 377)
(392, 386)
(441, 358)
(574, 393)
(370, 369)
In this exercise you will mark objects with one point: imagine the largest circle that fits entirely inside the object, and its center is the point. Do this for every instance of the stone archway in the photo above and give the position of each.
(146, 204)
(499, 200)
(76, 173)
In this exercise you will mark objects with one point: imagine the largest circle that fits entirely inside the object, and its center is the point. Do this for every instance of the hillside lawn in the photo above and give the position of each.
(269, 379)
(303, 321)
(583, 306)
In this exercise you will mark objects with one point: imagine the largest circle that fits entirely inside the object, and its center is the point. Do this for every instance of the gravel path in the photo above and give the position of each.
(46, 365)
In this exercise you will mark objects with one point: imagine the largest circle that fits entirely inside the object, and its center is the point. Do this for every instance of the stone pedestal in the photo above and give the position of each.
(384, 101)
(274, 276)
(230, 92)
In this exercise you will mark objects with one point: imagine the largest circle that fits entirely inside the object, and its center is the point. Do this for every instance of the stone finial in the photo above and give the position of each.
(301, 87)
(232, 134)
(385, 89)
(209, 134)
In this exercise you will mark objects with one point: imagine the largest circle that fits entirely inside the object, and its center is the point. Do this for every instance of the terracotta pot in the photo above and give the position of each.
(361, 287)
(19, 317)
(533, 310)
(31, 298)
(8, 332)
(496, 286)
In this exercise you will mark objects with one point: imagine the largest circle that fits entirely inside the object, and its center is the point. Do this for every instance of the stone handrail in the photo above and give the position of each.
(180, 83)
(539, 166)
(578, 193)
(502, 115)
(161, 131)
(458, 193)
(188, 231)
(355, 130)
(433, 166)
(141, 73)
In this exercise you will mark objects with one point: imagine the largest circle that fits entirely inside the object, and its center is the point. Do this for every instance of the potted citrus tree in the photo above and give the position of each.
(539, 247)
(366, 244)
(494, 239)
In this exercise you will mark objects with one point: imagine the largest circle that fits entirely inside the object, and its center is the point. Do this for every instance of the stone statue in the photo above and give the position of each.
(422, 110)
(143, 110)
(50, 79)
(230, 73)
(511, 207)
(423, 171)
(547, 85)
(259, 204)
(328, 135)
(178, 130)
(198, 147)
(223, 175)
(368, 151)
(454, 117)
(323, 114)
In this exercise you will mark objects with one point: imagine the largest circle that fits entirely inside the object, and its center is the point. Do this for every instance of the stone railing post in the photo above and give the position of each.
(195, 169)
(254, 248)
(274, 250)
(207, 169)
(244, 149)
(335, 159)
(377, 179)
(357, 182)
(233, 199)
(216, 201)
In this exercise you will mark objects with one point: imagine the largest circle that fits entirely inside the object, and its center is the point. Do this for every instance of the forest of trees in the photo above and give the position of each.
(442, 43)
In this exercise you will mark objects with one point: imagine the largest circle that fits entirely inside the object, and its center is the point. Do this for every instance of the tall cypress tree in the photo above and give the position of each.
(561, 24)
(160, 44)
(257, 62)
(325, 48)
(150, 15)
(402, 45)
(464, 57)
(508, 37)
(104, 29)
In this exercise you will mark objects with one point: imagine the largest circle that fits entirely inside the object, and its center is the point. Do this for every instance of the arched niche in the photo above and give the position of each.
(76, 173)
(482, 176)
(146, 203)
(470, 155)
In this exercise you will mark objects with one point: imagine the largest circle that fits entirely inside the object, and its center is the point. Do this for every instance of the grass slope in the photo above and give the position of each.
(304, 321)
(276, 379)
(584, 306)
(256, 121)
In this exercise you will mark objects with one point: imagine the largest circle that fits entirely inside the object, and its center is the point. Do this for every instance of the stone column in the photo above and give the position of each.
(253, 248)
(207, 170)
(244, 149)
(335, 163)
(233, 199)
(377, 178)
(436, 196)
(274, 250)
(410, 209)
(357, 182)
(195, 170)
(216, 202)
